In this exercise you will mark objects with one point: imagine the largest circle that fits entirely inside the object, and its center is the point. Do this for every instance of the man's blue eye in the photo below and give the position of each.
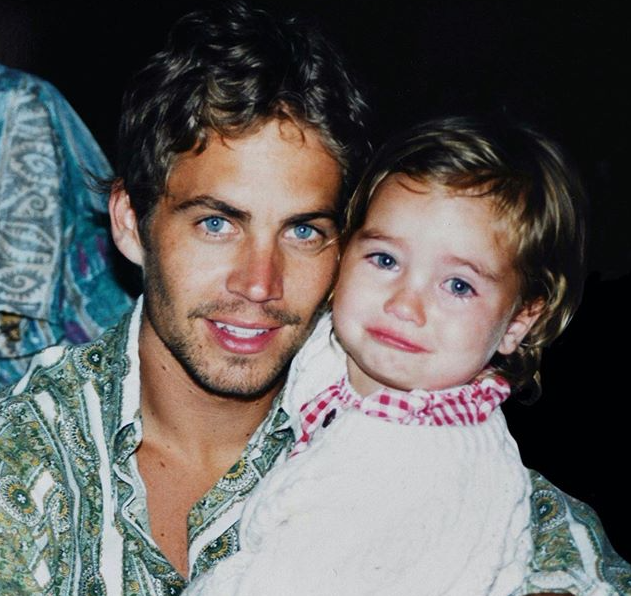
(214, 224)
(383, 260)
(458, 287)
(304, 231)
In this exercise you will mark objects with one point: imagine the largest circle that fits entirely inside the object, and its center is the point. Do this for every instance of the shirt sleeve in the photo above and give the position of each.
(35, 549)
(571, 551)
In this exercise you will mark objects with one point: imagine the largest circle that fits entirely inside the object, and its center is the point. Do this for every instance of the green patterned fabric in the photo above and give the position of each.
(73, 516)
(571, 552)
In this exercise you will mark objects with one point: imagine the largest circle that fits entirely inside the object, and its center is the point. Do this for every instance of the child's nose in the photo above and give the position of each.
(407, 305)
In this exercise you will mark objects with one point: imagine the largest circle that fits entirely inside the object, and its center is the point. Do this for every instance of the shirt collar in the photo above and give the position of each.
(129, 431)
(463, 405)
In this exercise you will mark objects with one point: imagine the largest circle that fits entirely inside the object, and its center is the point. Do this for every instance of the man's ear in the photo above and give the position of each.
(125, 226)
(520, 325)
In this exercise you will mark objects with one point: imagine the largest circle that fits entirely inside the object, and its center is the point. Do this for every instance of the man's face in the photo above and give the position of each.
(242, 253)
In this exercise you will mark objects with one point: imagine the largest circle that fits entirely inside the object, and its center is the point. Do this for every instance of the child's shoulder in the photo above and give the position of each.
(320, 363)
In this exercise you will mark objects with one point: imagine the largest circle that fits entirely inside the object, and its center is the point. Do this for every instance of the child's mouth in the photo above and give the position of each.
(394, 340)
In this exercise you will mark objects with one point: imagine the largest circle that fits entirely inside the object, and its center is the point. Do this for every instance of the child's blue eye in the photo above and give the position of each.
(458, 287)
(215, 224)
(383, 260)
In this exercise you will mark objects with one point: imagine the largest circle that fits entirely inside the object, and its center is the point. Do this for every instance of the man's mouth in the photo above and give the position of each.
(241, 332)
(241, 339)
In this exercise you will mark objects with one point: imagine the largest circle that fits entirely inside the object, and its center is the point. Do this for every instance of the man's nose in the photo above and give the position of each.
(407, 304)
(258, 273)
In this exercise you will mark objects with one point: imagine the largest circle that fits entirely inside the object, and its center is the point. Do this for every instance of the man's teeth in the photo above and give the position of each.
(242, 332)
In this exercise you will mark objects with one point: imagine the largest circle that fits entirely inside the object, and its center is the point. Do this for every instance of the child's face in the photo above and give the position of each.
(427, 291)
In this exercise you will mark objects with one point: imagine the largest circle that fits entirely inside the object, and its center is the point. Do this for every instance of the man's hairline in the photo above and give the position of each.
(300, 124)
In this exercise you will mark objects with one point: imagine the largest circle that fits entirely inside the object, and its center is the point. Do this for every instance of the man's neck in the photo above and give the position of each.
(177, 411)
(190, 439)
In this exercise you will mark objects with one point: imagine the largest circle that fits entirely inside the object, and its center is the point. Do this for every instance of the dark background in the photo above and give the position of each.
(563, 66)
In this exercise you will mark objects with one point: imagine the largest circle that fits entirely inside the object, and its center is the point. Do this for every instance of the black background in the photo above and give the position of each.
(560, 65)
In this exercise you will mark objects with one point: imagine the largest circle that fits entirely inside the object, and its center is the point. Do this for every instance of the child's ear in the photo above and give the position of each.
(520, 325)
(125, 226)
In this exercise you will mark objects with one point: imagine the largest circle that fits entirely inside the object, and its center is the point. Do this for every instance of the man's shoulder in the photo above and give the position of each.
(569, 540)
(55, 425)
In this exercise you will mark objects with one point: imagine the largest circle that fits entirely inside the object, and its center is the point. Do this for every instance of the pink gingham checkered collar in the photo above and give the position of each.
(457, 406)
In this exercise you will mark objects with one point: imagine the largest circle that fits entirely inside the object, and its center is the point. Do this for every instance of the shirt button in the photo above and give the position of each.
(329, 418)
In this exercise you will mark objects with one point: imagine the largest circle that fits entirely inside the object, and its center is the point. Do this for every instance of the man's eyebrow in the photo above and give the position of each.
(311, 215)
(210, 202)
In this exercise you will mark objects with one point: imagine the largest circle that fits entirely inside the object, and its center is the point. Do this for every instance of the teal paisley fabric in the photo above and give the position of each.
(57, 283)
(571, 552)
(73, 518)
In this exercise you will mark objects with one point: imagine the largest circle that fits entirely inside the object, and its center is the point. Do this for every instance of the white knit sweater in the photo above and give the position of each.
(375, 508)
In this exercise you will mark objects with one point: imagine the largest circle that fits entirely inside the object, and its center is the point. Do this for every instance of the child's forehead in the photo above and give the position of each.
(406, 206)
(400, 184)
(480, 197)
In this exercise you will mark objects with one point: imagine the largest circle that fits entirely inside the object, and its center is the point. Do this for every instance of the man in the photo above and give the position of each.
(124, 464)
(118, 472)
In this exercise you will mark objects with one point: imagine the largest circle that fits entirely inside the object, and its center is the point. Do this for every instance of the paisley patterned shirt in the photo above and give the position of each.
(73, 514)
(572, 553)
(57, 283)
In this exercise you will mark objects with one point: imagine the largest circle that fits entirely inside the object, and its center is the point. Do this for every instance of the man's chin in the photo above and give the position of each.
(238, 379)
(235, 376)
(240, 389)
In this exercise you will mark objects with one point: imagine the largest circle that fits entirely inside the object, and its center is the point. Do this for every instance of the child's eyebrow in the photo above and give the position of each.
(453, 260)
(477, 268)
(375, 234)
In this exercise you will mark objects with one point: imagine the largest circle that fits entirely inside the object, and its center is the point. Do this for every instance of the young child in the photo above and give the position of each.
(463, 260)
